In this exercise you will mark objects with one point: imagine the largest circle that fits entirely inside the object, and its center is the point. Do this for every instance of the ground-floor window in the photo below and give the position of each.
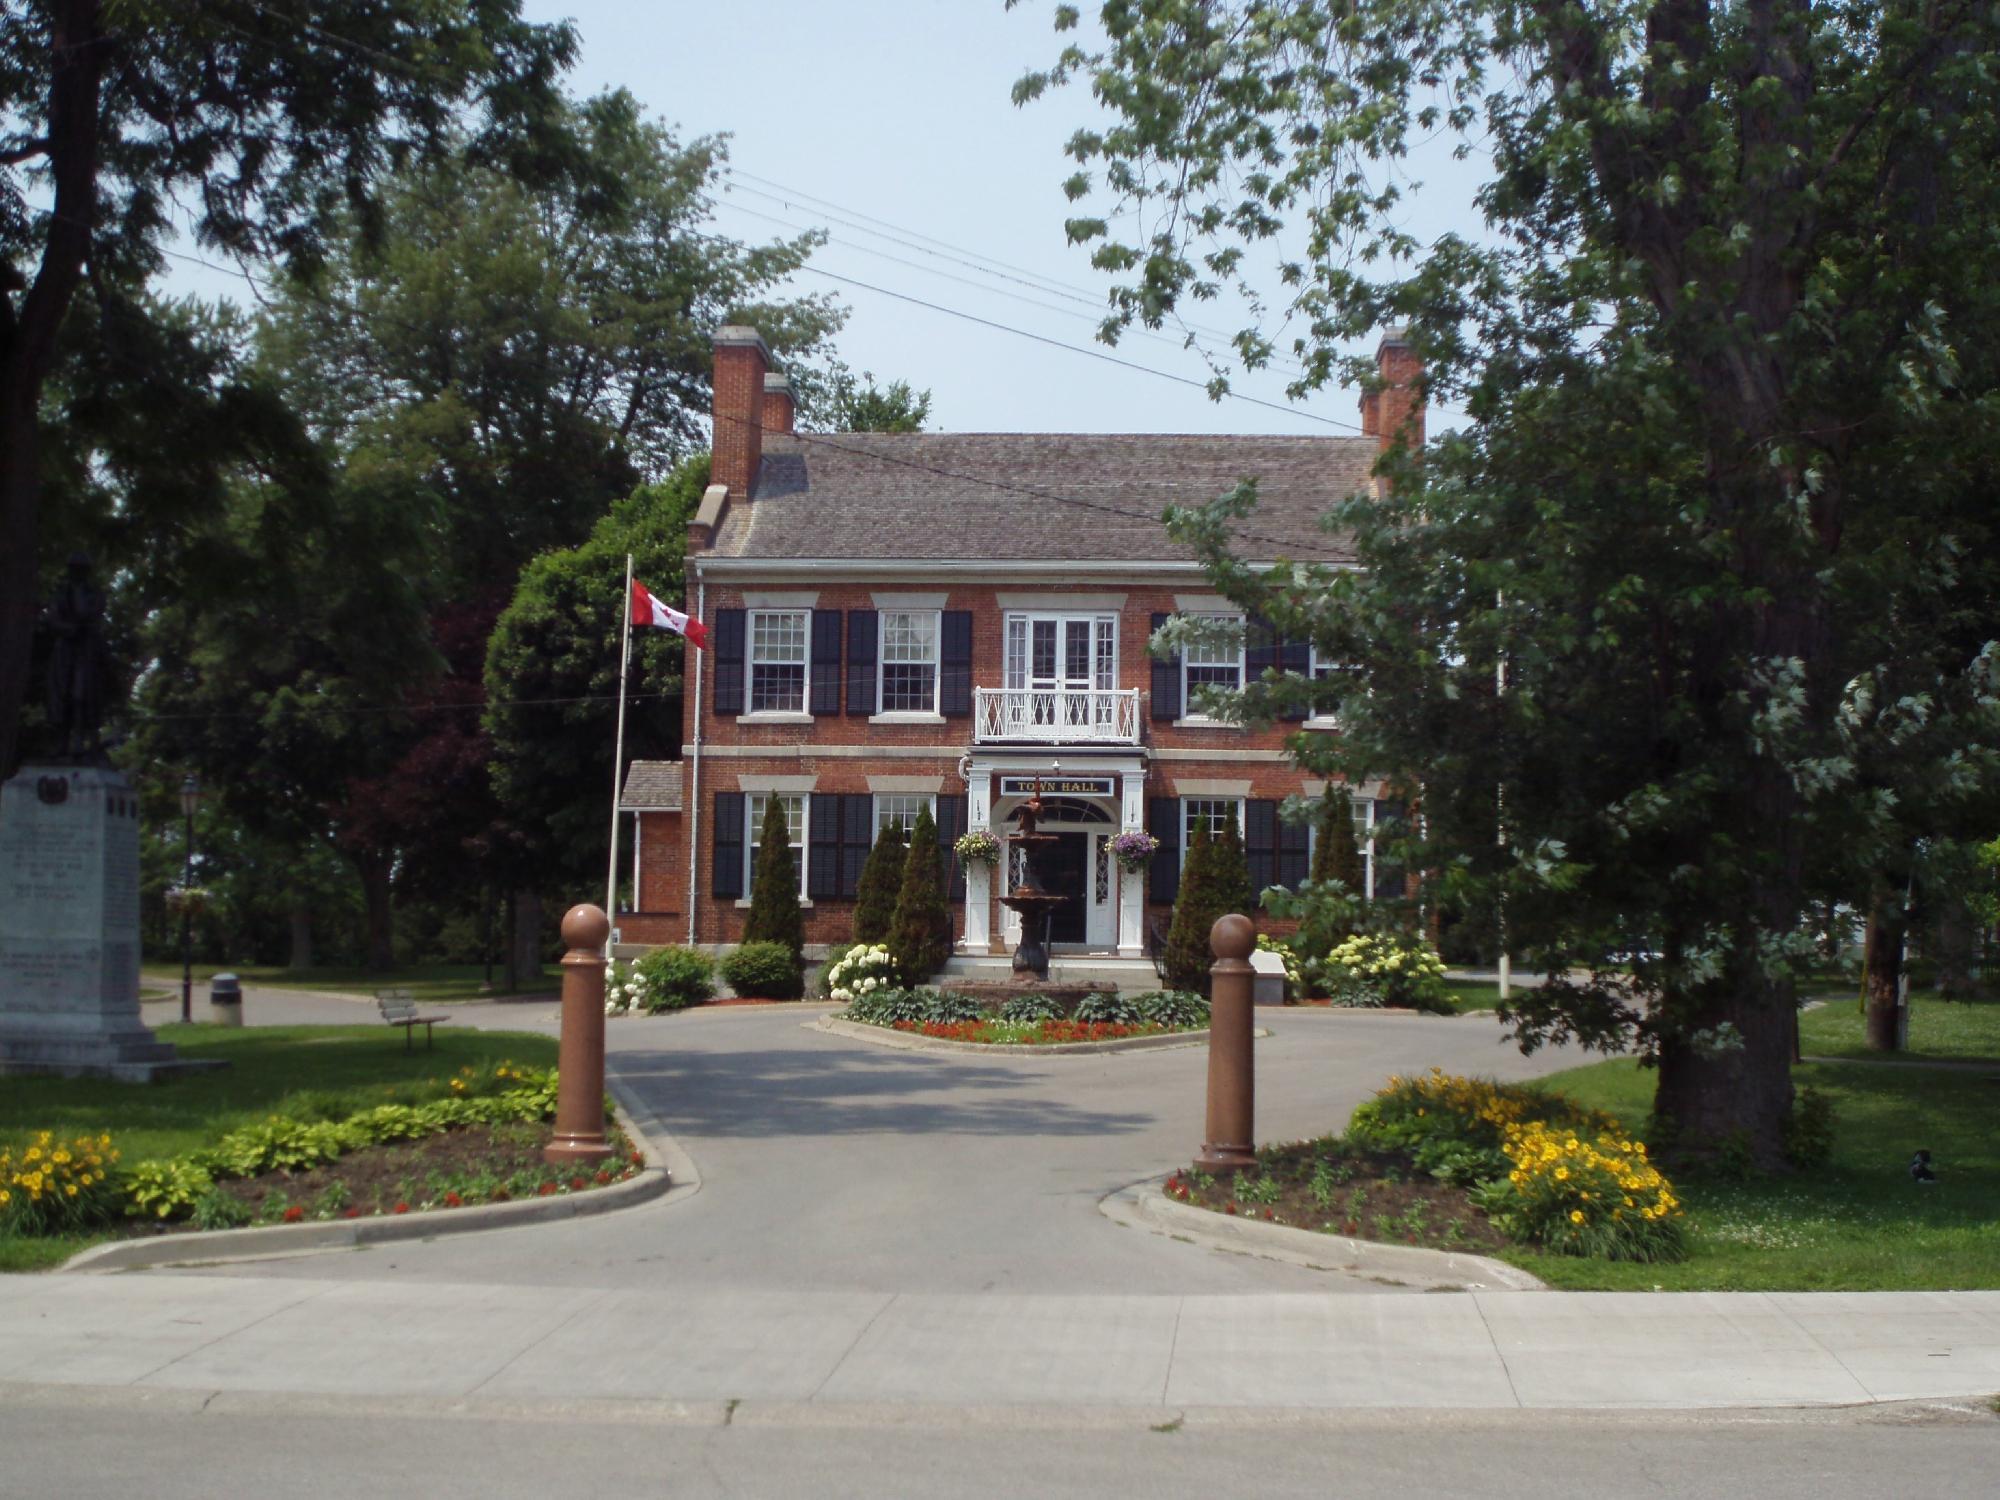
(1217, 811)
(903, 808)
(1382, 876)
(794, 804)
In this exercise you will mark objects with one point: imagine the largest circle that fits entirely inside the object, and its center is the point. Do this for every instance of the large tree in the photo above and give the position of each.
(265, 122)
(1728, 337)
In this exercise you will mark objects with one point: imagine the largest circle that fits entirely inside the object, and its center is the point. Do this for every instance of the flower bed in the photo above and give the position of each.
(998, 1033)
(1529, 1167)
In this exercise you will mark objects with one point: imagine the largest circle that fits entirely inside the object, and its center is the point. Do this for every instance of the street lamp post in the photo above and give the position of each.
(190, 798)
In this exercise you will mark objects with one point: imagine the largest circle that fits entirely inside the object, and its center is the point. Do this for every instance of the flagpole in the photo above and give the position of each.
(618, 757)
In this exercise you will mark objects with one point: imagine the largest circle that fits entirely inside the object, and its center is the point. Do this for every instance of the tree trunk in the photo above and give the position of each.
(1721, 1098)
(1954, 944)
(376, 891)
(524, 953)
(302, 935)
(1883, 984)
(20, 495)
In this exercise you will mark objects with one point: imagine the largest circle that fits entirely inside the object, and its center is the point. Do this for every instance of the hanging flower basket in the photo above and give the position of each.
(191, 899)
(1134, 850)
(977, 847)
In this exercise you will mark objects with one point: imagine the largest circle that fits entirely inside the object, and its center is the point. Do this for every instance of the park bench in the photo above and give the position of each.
(399, 1008)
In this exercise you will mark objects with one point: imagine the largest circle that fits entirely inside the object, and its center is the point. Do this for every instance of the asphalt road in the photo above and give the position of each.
(190, 1446)
(834, 1165)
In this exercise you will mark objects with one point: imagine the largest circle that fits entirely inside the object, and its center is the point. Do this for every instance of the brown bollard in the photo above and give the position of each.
(1232, 1087)
(580, 1084)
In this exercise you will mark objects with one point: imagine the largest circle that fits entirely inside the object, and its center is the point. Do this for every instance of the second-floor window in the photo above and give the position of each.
(1212, 664)
(909, 661)
(778, 660)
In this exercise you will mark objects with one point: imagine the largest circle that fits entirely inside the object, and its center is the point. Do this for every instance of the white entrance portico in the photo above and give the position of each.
(1091, 798)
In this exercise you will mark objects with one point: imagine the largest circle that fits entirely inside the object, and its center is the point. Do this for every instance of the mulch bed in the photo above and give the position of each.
(453, 1169)
(1369, 1195)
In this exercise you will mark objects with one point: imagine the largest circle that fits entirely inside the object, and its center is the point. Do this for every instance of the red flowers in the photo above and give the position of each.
(638, 1158)
(295, 1213)
(1229, 1207)
(602, 1177)
(546, 1190)
(452, 1200)
(578, 1184)
(400, 1208)
(1176, 1188)
(353, 1212)
(1046, 1033)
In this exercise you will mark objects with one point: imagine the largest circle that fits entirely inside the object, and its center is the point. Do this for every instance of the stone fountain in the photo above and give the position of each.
(1031, 956)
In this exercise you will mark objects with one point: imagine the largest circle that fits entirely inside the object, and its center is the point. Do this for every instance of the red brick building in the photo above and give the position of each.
(906, 621)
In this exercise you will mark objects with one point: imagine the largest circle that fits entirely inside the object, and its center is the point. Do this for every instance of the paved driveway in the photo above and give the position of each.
(831, 1165)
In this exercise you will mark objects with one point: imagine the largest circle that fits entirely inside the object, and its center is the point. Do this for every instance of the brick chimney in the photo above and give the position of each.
(779, 407)
(741, 363)
(1395, 411)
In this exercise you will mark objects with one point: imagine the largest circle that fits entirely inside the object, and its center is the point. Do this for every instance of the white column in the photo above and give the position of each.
(1132, 885)
(978, 909)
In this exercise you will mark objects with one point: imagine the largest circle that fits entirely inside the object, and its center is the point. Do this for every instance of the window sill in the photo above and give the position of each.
(774, 716)
(906, 716)
(744, 904)
(1204, 722)
(1321, 721)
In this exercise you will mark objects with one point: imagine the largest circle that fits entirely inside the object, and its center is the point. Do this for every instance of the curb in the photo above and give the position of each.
(1144, 1206)
(676, 1178)
(907, 1041)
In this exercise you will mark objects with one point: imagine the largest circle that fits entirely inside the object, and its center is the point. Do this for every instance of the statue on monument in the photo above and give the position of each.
(75, 618)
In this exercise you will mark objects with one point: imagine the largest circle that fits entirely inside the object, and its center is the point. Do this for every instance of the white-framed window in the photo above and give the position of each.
(794, 804)
(1381, 879)
(909, 661)
(778, 640)
(1216, 809)
(1206, 664)
(903, 808)
(1320, 668)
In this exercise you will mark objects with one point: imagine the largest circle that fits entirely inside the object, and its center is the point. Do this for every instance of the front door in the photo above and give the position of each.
(1064, 867)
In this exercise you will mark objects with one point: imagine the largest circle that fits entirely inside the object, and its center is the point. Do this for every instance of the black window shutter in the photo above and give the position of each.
(950, 824)
(861, 631)
(1163, 820)
(728, 660)
(1260, 649)
(822, 845)
(727, 882)
(857, 836)
(1294, 853)
(826, 661)
(955, 663)
(1260, 843)
(1295, 658)
(1166, 705)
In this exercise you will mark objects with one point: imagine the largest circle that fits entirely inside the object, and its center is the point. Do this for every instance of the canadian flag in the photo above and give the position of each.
(646, 610)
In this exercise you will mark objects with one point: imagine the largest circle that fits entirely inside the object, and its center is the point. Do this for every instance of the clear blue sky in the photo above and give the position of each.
(899, 110)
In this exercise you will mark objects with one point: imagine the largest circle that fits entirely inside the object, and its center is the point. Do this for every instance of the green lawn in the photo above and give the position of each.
(1857, 1224)
(1474, 994)
(1961, 1030)
(267, 1063)
(429, 982)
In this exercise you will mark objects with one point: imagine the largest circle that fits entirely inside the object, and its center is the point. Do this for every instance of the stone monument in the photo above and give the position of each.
(69, 882)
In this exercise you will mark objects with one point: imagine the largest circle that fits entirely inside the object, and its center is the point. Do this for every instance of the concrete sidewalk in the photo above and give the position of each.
(1545, 1350)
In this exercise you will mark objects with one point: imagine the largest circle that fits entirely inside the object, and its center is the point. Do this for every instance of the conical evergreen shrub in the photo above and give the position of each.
(920, 931)
(1195, 911)
(1336, 856)
(774, 887)
(1232, 872)
(881, 881)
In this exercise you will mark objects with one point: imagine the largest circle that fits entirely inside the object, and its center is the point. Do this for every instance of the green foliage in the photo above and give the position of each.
(1389, 968)
(216, 1209)
(1178, 1008)
(763, 971)
(887, 1007)
(881, 881)
(774, 888)
(821, 985)
(676, 977)
(166, 1189)
(920, 931)
(1110, 1007)
(1336, 855)
(1196, 910)
(854, 403)
(1231, 871)
(1763, 459)
(1810, 1132)
(1030, 1008)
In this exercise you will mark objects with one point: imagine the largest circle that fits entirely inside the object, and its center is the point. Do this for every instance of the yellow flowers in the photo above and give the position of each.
(50, 1185)
(1572, 1193)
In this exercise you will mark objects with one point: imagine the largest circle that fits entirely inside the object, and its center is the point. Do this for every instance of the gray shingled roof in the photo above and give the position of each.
(1074, 496)
(652, 786)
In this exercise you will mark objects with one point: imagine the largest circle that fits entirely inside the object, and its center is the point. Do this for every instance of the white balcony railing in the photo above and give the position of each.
(1057, 716)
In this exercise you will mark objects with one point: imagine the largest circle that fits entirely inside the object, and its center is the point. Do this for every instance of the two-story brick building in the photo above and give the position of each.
(910, 621)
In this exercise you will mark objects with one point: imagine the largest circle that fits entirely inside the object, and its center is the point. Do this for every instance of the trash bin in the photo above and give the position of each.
(225, 1000)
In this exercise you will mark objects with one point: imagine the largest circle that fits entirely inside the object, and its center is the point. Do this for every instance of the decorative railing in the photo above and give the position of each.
(1057, 716)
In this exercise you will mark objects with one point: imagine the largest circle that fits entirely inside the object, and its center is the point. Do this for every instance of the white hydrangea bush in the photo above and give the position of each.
(863, 971)
(625, 991)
